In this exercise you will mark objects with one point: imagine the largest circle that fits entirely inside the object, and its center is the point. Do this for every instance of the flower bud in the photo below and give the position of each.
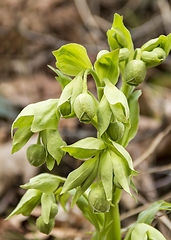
(36, 155)
(153, 58)
(65, 108)
(98, 201)
(101, 53)
(43, 227)
(54, 210)
(116, 38)
(135, 72)
(84, 107)
(115, 130)
(123, 54)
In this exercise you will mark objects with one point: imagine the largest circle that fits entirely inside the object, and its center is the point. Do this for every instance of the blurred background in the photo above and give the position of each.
(29, 31)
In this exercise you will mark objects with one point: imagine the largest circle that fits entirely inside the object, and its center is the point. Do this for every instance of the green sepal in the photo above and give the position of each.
(104, 114)
(86, 184)
(118, 102)
(85, 148)
(107, 66)
(72, 59)
(62, 78)
(78, 176)
(106, 173)
(23, 134)
(27, 203)
(44, 182)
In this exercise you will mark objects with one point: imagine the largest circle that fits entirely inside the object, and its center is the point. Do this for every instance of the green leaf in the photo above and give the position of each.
(122, 152)
(23, 134)
(103, 115)
(107, 66)
(44, 182)
(167, 45)
(64, 199)
(45, 115)
(139, 232)
(62, 78)
(118, 102)
(85, 148)
(46, 204)
(134, 118)
(86, 184)
(50, 161)
(72, 59)
(106, 173)
(78, 176)
(121, 171)
(25, 115)
(54, 143)
(66, 93)
(143, 231)
(27, 203)
(148, 215)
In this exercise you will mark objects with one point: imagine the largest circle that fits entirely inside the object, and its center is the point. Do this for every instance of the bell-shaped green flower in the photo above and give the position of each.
(115, 130)
(43, 227)
(36, 155)
(98, 201)
(135, 72)
(72, 59)
(153, 58)
(84, 107)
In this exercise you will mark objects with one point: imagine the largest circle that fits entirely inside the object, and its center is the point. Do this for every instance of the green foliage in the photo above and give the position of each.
(96, 185)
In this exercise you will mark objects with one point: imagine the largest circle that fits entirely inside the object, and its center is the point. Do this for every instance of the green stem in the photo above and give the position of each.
(98, 84)
(113, 214)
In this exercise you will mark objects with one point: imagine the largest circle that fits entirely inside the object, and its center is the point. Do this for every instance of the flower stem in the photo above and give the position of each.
(113, 214)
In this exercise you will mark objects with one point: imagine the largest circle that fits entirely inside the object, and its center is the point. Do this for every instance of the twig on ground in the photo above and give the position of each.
(153, 146)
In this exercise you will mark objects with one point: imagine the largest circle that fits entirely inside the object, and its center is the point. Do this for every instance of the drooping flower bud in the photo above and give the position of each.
(115, 130)
(65, 108)
(153, 58)
(36, 155)
(135, 72)
(98, 201)
(84, 107)
(43, 227)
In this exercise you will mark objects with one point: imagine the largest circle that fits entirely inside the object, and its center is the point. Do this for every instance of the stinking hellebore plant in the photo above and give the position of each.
(96, 185)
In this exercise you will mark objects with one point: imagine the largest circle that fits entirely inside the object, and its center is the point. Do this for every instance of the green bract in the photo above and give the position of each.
(72, 59)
